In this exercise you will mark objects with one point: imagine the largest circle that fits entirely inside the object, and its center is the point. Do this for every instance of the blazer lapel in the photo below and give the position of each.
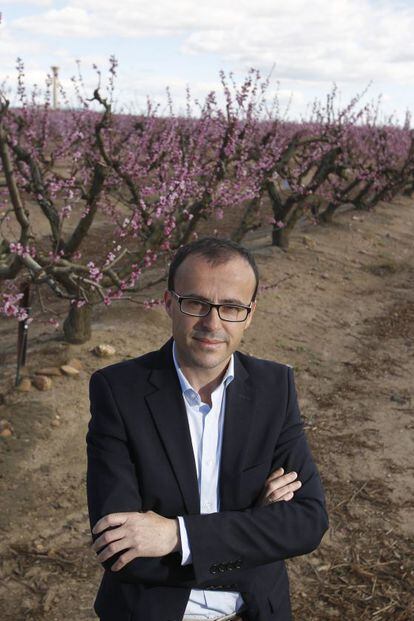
(236, 432)
(168, 411)
(167, 407)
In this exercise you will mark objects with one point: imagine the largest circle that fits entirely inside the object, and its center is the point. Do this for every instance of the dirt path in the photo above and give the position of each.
(343, 316)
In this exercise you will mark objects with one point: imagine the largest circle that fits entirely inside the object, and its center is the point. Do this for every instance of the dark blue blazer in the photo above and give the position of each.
(140, 458)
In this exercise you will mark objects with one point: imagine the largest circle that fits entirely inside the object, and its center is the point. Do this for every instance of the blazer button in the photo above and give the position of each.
(213, 569)
(222, 568)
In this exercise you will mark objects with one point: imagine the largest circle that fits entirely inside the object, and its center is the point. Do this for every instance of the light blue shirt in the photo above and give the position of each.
(206, 429)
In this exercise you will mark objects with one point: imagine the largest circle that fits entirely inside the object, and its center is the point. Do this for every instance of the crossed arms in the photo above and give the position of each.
(288, 518)
(148, 534)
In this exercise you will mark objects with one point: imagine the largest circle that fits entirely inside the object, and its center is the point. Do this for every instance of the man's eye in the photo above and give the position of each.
(231, 311)
(195, 306)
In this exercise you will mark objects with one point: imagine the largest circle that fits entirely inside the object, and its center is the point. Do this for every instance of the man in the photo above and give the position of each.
(200, 479)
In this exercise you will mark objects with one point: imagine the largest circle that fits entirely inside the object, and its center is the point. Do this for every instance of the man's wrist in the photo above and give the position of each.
(175, 535)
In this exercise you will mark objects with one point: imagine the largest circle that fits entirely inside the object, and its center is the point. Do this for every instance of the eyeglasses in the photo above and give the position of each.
(200, 308)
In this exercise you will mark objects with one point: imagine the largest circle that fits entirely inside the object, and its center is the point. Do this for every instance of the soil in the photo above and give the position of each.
(339, 308)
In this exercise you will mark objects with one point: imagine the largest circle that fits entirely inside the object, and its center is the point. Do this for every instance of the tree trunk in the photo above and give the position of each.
(327, 216)
(77, 325)
(249, 220)
(358, 201)
(280, 237)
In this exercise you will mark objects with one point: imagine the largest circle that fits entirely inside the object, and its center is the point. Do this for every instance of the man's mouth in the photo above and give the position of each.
(208, 341)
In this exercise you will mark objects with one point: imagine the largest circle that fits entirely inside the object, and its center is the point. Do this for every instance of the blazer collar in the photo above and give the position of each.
(167, 407)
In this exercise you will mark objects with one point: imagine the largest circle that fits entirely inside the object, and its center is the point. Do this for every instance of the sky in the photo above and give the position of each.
(304, 46)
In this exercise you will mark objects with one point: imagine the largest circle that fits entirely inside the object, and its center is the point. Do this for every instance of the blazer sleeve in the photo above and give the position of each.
(112, 486)
(232, 540)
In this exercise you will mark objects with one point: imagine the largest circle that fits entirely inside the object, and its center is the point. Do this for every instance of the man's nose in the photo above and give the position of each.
(212, 320)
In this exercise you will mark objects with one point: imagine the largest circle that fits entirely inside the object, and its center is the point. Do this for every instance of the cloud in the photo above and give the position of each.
(311, 44)
(317, 41)
(28, 2)
(11, 48)
(125, 19)
(323, 40)
(71, 21)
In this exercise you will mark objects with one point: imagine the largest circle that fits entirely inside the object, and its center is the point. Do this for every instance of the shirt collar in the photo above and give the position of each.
(185, 384)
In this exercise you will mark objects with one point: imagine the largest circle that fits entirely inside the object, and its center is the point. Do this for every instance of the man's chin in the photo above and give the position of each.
(209, 359)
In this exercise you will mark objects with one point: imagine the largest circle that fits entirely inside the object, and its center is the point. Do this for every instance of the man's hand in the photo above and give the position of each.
(138, 534)
(278, 486)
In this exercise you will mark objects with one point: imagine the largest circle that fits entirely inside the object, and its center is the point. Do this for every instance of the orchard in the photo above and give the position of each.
(116, 194)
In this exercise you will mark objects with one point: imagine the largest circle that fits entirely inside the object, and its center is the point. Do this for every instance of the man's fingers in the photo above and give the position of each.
(112, 548)
(279, 485)
(112, 519)
(124, 559)
(288, 496)
(280, 481)
(271, 500)
(284, 493)
(275, 475)
(108, 537)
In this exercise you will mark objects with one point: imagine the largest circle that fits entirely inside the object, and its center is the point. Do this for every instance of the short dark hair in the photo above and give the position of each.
(215, 250)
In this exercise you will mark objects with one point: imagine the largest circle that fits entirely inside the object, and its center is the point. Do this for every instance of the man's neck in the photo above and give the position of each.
(204, 381)
(202, 384)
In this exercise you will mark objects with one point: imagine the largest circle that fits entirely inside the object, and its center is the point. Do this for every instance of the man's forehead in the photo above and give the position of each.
(198, 262)
(235, 271)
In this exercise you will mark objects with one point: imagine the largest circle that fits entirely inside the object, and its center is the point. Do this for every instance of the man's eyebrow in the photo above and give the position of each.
(197, 296)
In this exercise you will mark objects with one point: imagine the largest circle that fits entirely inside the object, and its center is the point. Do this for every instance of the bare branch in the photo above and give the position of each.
(11, 270)
(92, 200)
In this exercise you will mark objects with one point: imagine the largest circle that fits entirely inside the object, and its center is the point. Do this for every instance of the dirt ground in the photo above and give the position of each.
(339, 308)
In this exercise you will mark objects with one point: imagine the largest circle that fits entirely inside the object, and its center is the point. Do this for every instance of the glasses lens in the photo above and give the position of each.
(233, 313)
(194, 307)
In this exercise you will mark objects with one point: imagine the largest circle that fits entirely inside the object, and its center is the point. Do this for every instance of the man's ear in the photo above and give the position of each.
(167, 302)
(250, 317)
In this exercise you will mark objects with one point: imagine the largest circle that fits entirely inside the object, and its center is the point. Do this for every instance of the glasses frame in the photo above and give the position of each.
(181, 298)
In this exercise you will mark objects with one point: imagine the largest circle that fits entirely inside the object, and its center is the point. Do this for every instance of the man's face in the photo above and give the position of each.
(208, 342)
